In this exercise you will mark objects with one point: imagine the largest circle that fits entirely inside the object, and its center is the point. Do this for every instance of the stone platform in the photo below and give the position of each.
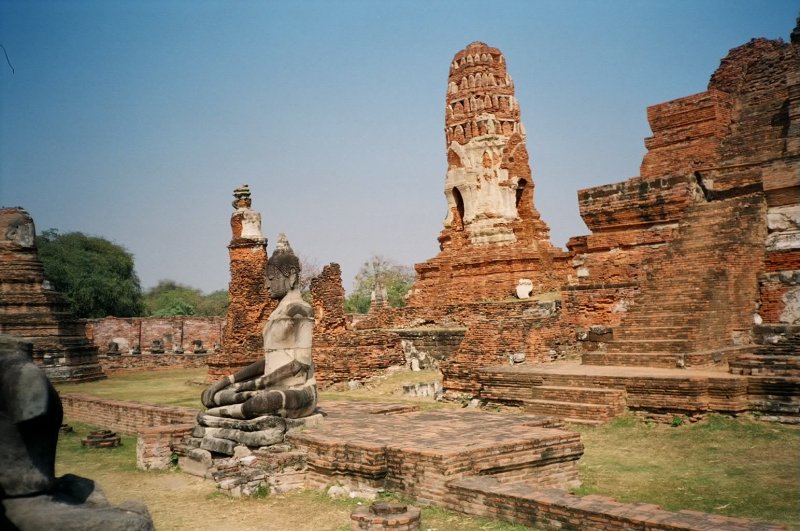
(418, 452)
(600, 392)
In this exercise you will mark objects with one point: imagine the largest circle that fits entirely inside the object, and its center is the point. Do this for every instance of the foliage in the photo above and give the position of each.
(96, 276)
(169, 299)
(395, 278)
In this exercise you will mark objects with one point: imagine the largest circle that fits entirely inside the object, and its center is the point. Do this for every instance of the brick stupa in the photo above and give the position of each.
(493, 235)
(33, 312)
(250, 303)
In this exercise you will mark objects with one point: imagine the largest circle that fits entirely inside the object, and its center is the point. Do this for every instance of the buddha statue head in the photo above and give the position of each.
(283, 269)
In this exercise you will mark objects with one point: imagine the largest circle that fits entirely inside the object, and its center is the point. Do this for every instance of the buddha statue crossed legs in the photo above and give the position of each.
(283, 382)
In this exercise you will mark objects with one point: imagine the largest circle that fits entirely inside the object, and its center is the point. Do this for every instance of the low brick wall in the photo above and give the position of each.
(154, 447)
(557, 509)
(355, 355)
(142, 331)
(129, 362)
(123, 415)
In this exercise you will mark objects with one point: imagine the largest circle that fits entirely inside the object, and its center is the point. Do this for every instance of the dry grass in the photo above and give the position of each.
(179, 387)
(735, 467)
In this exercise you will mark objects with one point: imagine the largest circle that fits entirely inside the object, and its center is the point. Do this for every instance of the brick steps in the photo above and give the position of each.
(654, 389)
(766, 365)
(647, 345)
(580, 411)
(685, 315)
(665, 360)
(576, 404)
(775, 397)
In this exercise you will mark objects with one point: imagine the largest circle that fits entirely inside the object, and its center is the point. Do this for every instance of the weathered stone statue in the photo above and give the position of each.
(31, 497)
(282, 383)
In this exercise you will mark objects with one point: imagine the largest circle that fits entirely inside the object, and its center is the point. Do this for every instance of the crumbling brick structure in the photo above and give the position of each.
(342, 354)
(31, 310)
(679, 263)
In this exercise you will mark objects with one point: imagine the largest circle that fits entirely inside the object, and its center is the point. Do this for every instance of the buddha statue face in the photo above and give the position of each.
(279, 282)
(283, 269)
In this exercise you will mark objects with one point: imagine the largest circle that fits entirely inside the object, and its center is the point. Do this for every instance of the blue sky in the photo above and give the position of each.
(136, 120)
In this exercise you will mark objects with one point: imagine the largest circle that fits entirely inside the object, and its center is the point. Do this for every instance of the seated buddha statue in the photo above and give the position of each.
(282, 383)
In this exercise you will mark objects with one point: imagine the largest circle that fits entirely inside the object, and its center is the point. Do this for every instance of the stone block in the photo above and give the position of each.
(266, 422)
(220, 446)
(247, 438)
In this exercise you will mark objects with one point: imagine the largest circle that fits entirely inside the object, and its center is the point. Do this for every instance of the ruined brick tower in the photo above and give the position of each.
(250, 303)
(493, 234)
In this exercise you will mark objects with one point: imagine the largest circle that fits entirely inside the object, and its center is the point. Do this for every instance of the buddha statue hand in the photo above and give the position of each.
(207, 398)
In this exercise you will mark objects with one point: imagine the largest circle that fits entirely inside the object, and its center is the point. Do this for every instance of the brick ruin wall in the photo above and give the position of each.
(171, 331)
(327, 296)
(149, 362)
(471, 274)
(158, 428)
(340, 353)
(552, 509)
(780, 297)
(492, 333)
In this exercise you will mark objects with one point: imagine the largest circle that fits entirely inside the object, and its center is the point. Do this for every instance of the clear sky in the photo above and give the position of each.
(136, 120)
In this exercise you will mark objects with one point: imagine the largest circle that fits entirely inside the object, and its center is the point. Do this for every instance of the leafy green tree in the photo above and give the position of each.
(175, 309)
(396, 278)
(96, 276)
(215, 303)
(170, 299)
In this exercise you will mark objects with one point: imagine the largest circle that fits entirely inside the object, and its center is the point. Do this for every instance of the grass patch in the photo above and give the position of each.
(735, 467)
(75, 458)
(168, 388)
